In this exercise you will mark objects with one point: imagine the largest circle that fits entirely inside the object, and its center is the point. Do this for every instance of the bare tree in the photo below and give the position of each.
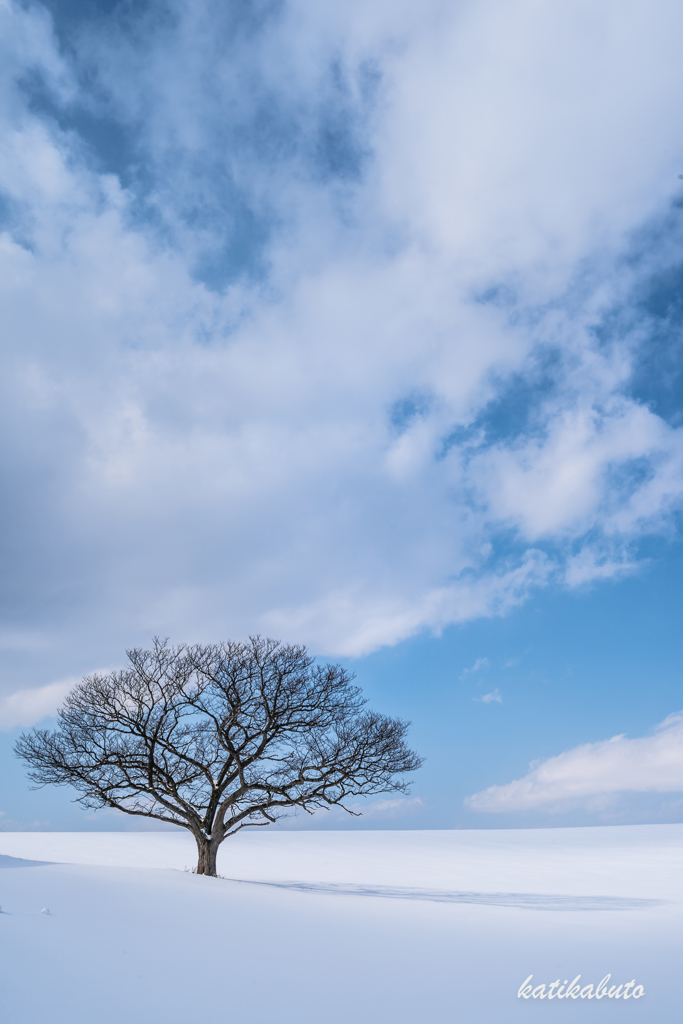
(217, 738)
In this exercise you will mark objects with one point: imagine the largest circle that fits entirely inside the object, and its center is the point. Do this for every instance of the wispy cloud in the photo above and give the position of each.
(370, 810)
(489, 697)
(584, 775)
(397, 807)
(479, 664)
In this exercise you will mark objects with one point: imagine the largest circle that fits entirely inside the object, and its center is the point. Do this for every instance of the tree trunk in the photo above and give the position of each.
(208, 849)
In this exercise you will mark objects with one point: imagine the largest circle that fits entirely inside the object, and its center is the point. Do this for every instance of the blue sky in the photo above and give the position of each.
(359, 326)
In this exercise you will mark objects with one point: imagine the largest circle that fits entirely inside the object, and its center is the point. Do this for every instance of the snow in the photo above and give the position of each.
(421, 927)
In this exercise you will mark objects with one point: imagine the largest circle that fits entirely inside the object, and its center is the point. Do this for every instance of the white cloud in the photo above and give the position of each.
(559, 484)
(27, 707)
(195, 459)
(648, 764)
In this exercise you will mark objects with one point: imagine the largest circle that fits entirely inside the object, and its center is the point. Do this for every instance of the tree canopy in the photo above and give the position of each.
(219, 737)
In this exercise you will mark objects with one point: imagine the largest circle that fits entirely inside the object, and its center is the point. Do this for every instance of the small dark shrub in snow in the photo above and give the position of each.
(216, 738)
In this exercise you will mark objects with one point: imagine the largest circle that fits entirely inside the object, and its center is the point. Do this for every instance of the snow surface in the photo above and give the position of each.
(421, 927)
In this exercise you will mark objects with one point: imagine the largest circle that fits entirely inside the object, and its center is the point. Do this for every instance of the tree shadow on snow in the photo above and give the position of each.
(525, 900)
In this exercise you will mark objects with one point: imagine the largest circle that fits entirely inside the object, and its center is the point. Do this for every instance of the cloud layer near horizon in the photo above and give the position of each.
(330, 323)
(592, 771)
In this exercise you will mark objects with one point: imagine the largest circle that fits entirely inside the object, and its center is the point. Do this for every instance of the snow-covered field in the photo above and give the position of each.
(420, 927)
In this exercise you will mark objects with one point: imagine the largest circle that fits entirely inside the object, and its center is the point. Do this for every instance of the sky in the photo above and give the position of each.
(358, 326)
